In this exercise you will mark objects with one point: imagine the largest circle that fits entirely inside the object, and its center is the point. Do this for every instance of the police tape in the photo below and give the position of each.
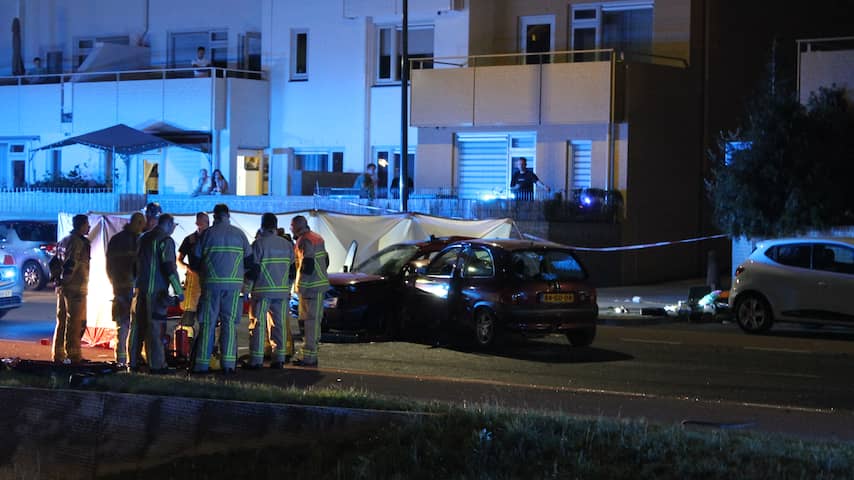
(634, 247)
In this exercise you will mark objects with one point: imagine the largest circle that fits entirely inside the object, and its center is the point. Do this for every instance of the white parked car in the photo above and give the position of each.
(805, 280)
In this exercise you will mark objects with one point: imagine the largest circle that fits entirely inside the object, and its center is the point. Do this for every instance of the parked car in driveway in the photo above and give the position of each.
(369, 297)
(33, 244)
(11, 284)
(806, 280)
(490, 287)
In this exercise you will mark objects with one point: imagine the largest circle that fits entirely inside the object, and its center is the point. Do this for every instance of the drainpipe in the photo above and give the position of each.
(404, 123)
(609, 183)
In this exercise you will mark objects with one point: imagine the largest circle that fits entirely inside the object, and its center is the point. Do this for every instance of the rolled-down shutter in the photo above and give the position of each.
(483, 164)
(581, 164)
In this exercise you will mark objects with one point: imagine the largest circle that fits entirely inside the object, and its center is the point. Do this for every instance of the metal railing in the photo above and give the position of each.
(562, 56)
(154, 73)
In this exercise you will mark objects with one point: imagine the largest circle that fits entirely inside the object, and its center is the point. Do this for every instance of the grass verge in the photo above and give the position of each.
(478, 441)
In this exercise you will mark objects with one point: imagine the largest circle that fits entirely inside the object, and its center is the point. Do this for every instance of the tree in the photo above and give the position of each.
(790, 167)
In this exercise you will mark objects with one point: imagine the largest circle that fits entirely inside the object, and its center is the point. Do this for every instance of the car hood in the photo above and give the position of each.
(344, 279)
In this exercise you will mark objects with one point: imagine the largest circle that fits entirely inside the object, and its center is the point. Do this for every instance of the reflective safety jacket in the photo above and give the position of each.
(221, 251)
(156, 263)
(74, 251)
(273, 258)
(121, 260)
(310, 247)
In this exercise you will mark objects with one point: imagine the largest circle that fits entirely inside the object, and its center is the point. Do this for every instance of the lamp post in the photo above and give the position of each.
(404, 132)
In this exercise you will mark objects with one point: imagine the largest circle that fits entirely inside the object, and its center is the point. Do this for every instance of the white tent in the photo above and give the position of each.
(372, 233)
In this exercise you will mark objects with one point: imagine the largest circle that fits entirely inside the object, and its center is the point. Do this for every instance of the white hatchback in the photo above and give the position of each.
(806, 280)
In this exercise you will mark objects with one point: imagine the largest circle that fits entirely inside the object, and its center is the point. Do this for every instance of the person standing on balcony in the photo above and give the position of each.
(122, 251)
(192, 283)
(219, 185)
(71, 292)
(224, 254)
(523, 181)
(202, 62)
(37, 71)
(271, 286)
(366, 183)
(311, 283)
(202, 183)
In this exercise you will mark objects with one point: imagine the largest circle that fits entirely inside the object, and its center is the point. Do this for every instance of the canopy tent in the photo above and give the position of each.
(119, 139)
(372, 233)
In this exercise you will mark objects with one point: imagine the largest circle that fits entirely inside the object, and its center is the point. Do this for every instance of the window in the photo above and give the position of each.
(548, 265)
(387, 160)
(479, 264)
(795, 255)
(581, 164)
(331, 160)
(624, 26)
(299, 54)
(83, 46)
(443, 265)
(389, 51)
(833, 258)
(183, 48)
(485, 162)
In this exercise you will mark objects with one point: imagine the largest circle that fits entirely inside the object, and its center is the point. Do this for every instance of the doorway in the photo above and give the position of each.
(251, 169)
(536, 35)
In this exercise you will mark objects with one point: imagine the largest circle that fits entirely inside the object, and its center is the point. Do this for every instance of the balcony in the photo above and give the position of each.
(558, 88)
(55, 105)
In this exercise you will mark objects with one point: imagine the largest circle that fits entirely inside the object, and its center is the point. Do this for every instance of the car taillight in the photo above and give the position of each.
(49, 248)
(8, 260)
(739, 270)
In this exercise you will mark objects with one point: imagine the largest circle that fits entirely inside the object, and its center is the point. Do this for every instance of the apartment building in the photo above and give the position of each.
(621, 97)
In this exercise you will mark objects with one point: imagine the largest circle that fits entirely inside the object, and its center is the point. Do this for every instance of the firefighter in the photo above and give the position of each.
(122, 250)
(71, 291)
(152, 213)
(157, 271)
(193, 289)
(311, 283)
(270, 279)
(221, 254)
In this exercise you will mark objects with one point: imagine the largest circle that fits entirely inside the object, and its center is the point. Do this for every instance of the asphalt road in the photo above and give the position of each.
(795, 380)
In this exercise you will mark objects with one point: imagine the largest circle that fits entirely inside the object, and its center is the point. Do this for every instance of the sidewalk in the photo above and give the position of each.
(644, 303)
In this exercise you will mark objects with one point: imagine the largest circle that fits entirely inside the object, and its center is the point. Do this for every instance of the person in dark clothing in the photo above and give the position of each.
(122, 251)
(71, 292)
(523, 181)
(157, 271)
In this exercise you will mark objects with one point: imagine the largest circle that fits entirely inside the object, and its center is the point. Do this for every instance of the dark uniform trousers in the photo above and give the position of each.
(122, 301)
(218, 305)
(70, 324)
(149, 329)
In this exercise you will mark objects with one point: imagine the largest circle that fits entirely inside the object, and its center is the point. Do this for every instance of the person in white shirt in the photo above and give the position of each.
(201, 60)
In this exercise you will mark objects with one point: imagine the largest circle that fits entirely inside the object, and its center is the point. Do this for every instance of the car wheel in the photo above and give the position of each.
(582, 337)
(753, 313)
(34, 277)
(485, 328)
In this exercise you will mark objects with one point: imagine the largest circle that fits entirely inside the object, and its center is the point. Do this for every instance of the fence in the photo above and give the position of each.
(48, 203)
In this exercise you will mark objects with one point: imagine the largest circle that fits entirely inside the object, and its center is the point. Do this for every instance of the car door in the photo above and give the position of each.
(793, 286)
(429, 302)
(834, 266)
(475, 284)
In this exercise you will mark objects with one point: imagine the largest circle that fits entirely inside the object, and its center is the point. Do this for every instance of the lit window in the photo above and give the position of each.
(299, 54)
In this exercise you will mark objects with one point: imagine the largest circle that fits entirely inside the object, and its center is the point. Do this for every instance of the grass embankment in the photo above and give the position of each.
(486, 442)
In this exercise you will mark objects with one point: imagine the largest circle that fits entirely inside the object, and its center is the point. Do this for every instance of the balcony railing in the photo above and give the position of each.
(121, 75)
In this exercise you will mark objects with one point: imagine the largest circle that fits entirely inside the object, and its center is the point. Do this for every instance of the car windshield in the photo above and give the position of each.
(36, 232)
(388, 261)
(546, 265)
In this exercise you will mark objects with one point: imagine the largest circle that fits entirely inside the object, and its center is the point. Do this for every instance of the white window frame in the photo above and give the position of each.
(216, 47)
(397, 34)
(596, 22)
(330, 157)
(294, 74)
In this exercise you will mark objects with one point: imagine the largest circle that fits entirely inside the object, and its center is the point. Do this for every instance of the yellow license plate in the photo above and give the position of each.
(558, 298)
